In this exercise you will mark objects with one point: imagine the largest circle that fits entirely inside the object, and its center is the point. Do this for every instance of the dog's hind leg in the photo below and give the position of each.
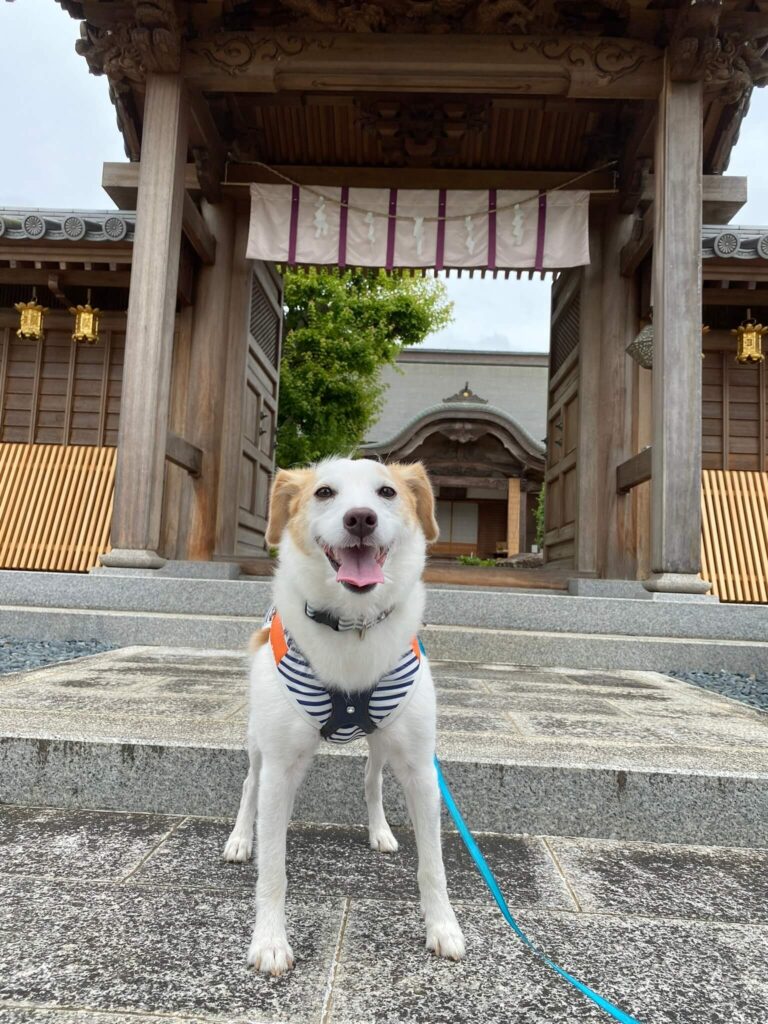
(239, 846)
(418, 778)
(379, 832)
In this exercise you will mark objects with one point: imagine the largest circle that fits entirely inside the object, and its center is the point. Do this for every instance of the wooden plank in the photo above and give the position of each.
(634, 471)
(121, 182)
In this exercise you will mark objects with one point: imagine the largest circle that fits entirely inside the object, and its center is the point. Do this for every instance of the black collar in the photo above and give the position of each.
(341, 625)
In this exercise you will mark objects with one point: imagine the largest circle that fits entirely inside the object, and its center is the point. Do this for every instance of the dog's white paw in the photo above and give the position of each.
(238, 848)
(445, 938)
(381, 839)
(270, 954)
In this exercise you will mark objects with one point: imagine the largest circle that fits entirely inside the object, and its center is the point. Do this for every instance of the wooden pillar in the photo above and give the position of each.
(513, 516)
(205, 400)
(616, 528)
(150, 325)
(588, 455)
(676, 465)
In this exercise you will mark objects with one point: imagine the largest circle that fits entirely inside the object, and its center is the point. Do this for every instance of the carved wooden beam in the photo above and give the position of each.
(574, 66)
(239, 174)
(634, 471)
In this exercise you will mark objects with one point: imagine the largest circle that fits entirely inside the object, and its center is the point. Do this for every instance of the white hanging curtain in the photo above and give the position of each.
(379, 227)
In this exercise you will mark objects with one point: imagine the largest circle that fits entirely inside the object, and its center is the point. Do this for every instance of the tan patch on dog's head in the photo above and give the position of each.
(418, 496)
(288, 504)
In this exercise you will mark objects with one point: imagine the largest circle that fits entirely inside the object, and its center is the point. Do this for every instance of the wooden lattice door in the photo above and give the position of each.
(248, 454)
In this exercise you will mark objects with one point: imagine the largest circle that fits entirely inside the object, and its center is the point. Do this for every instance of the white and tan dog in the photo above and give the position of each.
(349, 601)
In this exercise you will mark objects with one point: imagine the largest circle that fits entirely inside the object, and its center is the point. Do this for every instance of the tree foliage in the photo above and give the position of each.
(341, 327)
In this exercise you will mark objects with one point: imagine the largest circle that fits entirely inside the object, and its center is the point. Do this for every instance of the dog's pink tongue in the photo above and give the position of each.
(358, 566)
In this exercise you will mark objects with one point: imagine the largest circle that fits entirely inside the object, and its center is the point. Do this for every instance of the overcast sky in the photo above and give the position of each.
(58, 127)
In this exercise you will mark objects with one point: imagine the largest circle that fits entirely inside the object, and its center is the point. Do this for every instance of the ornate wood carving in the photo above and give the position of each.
(426, 129)
(236, 53)
(441, 16)
(608, 60)
(148, 41)
(726, 59)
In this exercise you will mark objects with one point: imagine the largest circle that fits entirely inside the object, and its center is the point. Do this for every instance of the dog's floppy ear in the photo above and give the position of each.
(416, 480)
(285, 487)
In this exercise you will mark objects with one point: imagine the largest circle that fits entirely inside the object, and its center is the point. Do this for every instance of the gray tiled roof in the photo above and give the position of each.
(722, 241)
(67, 225)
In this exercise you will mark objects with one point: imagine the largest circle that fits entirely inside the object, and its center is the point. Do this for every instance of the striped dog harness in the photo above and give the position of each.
(340, 716)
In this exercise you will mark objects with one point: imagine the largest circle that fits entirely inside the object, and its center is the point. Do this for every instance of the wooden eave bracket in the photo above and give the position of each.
(182, 453)
(121, 183)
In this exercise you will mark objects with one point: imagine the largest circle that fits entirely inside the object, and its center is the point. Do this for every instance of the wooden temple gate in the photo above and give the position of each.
(638, 103)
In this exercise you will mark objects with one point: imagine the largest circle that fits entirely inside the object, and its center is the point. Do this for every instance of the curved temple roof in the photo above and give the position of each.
(514, 437)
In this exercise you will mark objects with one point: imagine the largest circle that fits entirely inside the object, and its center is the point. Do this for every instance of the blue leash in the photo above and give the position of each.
(493, 885)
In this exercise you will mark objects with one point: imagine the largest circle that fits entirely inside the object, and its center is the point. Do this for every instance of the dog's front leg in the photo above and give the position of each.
(379, 833)
(269, 950)
(419, 781)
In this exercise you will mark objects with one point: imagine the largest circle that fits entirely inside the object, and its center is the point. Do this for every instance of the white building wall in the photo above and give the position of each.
(512, 383)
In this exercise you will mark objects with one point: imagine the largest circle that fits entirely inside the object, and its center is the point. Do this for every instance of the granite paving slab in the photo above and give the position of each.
(168, 951)
(332, 861)
(703, 883)
(661, 971)
(167, 942)
(91, 844)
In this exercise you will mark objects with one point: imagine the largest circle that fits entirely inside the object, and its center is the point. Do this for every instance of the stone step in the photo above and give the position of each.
(630, 755)
(489, 609)
(461, 643)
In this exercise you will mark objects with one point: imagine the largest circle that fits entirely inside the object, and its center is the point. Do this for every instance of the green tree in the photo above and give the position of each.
(341, 327)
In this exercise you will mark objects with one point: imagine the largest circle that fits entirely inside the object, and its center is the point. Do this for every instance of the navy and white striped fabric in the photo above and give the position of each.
(311, 698)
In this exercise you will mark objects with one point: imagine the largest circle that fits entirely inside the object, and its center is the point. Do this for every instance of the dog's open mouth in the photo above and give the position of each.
(358, 568)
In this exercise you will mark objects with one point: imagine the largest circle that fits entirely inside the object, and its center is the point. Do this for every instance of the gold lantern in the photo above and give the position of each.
(31, 316)
(86, 323)
(748, 340)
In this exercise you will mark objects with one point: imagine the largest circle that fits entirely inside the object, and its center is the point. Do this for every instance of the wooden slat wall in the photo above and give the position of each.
(55, 392)
(734, 534)
(734, 422)
(55, 505)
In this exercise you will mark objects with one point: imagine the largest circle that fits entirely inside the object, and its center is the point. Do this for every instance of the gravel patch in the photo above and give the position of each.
(751, 689)
(19, 654)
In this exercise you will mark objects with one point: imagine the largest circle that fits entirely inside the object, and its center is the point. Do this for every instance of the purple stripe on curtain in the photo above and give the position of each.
(540, 231)
(391, 228)
(492, 229)
(294, 228)
(343, 216)
(440, 251)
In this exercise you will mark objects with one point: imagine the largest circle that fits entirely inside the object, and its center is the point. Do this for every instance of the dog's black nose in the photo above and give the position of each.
(361, 521)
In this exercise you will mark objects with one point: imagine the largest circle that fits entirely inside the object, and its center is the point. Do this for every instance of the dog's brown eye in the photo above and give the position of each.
(387, 492)
(324, 493)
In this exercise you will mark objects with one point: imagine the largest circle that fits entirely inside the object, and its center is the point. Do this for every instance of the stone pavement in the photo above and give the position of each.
(110, 918)
(631, 755)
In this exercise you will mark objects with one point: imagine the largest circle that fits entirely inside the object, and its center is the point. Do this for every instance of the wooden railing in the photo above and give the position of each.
(55, 505)
(734, 534)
